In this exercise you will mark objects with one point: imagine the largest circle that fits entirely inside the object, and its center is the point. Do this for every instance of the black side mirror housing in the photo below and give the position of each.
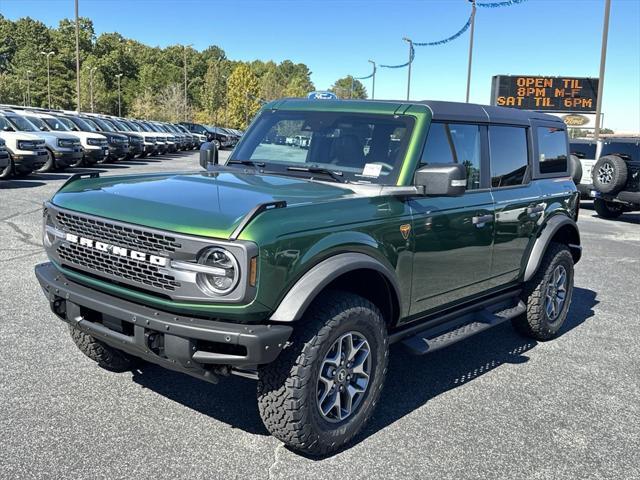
(442, 179)
(208, 155)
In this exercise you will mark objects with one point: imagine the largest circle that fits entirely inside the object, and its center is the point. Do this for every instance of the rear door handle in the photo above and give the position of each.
(481, 220)
(535, 209)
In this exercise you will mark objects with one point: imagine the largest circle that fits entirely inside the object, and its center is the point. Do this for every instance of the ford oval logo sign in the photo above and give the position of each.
(322, 96)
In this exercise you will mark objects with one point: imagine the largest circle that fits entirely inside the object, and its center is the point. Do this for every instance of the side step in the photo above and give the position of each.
(443, 335)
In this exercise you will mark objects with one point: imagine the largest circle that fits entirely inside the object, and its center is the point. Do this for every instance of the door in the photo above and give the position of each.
(518, 204)
(453, 236)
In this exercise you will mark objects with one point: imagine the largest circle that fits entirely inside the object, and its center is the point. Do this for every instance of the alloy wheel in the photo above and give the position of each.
(556, 293)
(344, 377)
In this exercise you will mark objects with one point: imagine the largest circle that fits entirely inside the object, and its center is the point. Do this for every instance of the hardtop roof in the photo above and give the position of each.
(441, 110)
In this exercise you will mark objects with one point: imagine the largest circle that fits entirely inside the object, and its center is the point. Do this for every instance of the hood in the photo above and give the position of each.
(55, 135)
(84, 135)
(205, 204)
(19, 136)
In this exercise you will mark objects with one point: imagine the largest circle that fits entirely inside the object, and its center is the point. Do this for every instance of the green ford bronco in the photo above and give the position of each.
(421, 223)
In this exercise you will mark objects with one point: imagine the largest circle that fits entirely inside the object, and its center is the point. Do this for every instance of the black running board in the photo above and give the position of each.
(441, 336)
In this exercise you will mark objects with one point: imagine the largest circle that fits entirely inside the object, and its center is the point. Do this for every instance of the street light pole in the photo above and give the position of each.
(186, 98)
(373, 84)
(473, 24)
(28, 88)
(77, 57)
(410, 42)
(48, 55)
(603, 61)
(91, 71)
(118, 77)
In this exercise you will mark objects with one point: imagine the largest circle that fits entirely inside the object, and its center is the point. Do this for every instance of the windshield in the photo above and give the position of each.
(627, 150)
(583, 150)
(102, 124)
(153, 127)
(38, 123)
(57, 124)
(4, 125)
(131, 126)
(363, 148)
(119, 125)
(83, 125)
(22, 124)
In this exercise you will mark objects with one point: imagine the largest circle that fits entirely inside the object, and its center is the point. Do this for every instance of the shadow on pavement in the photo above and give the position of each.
(411, 380)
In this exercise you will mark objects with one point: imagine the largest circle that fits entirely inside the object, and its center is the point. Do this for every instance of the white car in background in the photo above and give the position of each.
(588, 152)
(26, 151)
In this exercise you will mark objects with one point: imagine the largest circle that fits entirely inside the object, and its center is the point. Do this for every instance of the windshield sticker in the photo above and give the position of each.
(371, 170)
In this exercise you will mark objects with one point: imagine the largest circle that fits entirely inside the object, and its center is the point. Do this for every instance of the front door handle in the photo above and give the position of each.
(480, 220)
(535, 209)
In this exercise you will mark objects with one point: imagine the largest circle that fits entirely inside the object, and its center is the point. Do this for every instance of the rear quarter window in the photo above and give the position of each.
(552, 150)
(627, 150)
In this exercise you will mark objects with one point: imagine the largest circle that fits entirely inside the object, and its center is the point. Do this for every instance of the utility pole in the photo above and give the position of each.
(473, 24)
(28, 102)
(351, 89)
(48, 55)
(118, 77)
(77, 57)
(603, 61)
(91, 72)
(373, 84)
(410, 42)
(186, 98)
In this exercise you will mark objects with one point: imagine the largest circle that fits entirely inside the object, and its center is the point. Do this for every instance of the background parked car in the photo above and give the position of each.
(135, 142)
(62, 149)
(94, 145)
(616, 177)
(219, 139)
(26, 151)
(117, 144)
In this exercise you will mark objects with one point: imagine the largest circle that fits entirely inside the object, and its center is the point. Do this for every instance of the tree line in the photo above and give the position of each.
(220, 91)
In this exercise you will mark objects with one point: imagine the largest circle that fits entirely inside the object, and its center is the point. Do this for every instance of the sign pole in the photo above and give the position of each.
(603, 60)
(473, 23)
(410, 42)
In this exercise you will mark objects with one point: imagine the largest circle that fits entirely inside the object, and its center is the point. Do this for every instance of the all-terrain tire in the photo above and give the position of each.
(49, 165)
(575, 169)
(287, 388)
(536, 322)
(7, 172)
(609, 174)
(607, 209)
(107, 357)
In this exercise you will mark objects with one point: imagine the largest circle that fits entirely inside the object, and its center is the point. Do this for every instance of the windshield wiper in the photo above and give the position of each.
(249, 163)
(337, 176)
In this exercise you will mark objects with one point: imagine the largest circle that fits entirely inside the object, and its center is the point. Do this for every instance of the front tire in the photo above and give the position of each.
(105, 356)
(548, 295)
(607, 209)
(7, 171)
(322, 389)
(49, 165)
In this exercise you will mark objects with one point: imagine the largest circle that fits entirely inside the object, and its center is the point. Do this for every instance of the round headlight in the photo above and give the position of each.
(47, 224)
(224, 275)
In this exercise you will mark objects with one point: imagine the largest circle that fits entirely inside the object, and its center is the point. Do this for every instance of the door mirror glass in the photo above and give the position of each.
(442, 179)
(208, 155)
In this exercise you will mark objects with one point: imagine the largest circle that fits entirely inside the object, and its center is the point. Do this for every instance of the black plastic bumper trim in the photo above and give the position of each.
(263, 343)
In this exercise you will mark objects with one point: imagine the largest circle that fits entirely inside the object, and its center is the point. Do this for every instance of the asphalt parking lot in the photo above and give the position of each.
(494, 406)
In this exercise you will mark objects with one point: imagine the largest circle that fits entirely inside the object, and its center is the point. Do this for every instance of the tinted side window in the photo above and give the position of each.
(509, 155)
(552, 148)
(626, 150)
(583, 150)
(455, 143)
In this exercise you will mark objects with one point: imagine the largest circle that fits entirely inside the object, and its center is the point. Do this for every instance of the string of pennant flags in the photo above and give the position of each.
(461, 31)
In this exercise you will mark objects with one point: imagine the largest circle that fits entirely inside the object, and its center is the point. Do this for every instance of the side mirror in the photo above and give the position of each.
(442, 179)
(208, 155)
(8, 129)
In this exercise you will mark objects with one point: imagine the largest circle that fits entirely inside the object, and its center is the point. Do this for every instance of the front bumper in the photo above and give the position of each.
(136, 149)
(28, 163)
(68, 158)
(190, 345)
(95, 155)
(118, 152)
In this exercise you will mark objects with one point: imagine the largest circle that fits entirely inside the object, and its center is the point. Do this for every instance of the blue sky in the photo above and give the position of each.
(335, 38)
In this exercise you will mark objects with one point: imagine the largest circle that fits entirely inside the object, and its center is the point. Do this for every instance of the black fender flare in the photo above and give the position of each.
(553, 225)
(305, 290)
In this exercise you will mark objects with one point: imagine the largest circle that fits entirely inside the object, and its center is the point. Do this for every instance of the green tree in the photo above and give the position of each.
(244, 102)
(349, 87)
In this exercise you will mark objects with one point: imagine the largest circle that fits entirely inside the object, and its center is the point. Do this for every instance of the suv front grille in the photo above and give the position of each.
(118, 266)
(131, 237)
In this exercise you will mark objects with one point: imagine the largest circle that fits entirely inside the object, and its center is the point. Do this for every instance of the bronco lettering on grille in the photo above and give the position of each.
(115, 250)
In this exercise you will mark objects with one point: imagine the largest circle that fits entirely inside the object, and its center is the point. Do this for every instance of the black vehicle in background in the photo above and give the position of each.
(616, 177)
(219, 138)
(117, 143)
(136, 142)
